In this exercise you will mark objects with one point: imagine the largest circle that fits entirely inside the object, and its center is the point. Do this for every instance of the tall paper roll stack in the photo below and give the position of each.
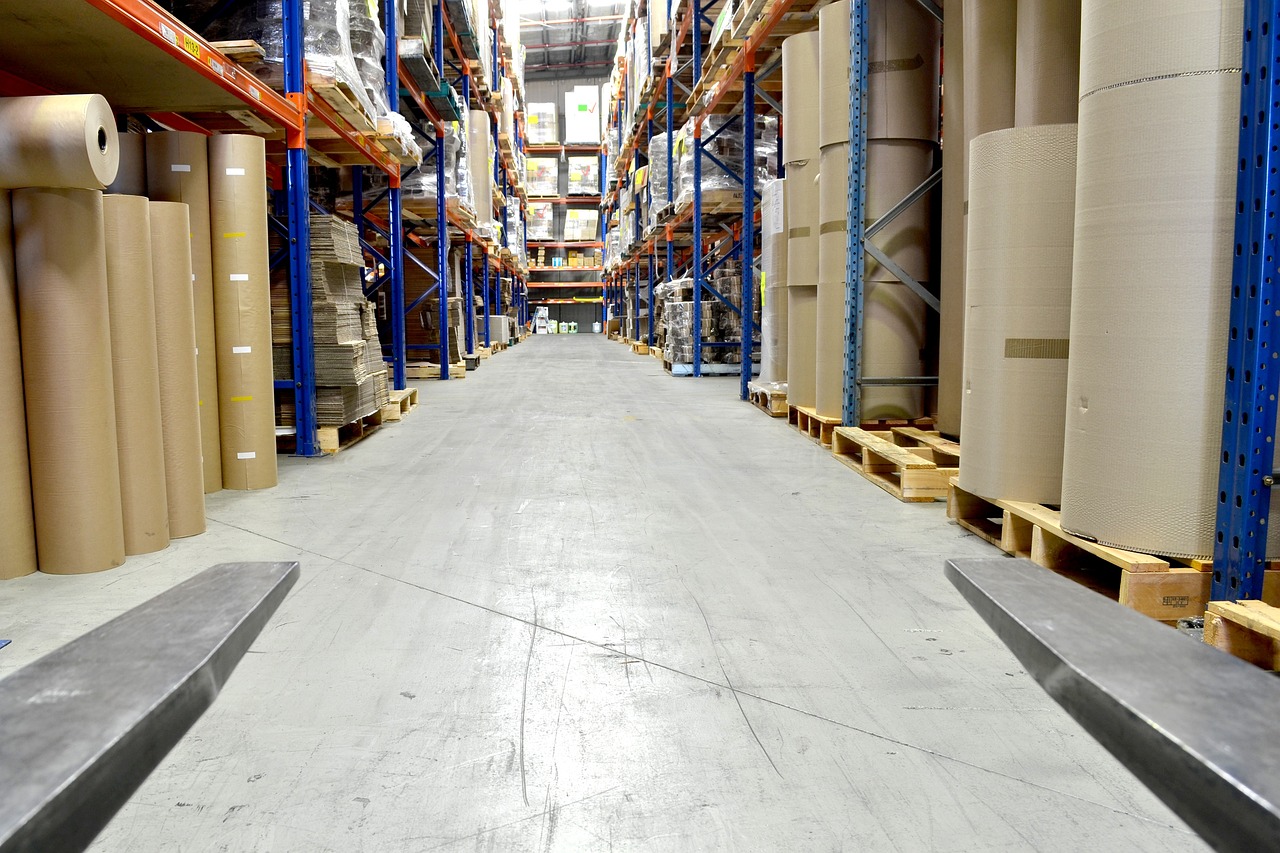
(832, 256)
(175, 332)
(990, 57)
(1021, 229)
(773, 264)
(242, 310)
(17, 525)
(131, 177)
(902, 66)
(178, 171)
(66, 367)
(1048, 62)
(58, 141)
(135, 373)
(1155, 201)
(800, 113)
(955, 181)
(802, 323)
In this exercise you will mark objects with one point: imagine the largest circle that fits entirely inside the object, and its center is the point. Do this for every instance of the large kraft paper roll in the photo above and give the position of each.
(955, 181)
(1151, 284)
(66, 369)
(802, 324)
(135, 373)
(800, 111)
(131, 177)
(832, 256)
(990, 57)
(1047, 82)
(17, 524)
(1022, 188)
(242, 310)
(802, 224)
(773, 264)
(902, 71)
(895, 167)
(834, 70)
(58, 141)
(170, 263)
(178, 171)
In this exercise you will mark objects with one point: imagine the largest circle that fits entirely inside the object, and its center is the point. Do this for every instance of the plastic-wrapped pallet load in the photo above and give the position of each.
(773, 265)
(1151, 284)
(66, 366)
(178, 171)
(17, 526)
(176, 344)
(541, 122)
(800, 119)
(242, 310)
(135, 373)
(479, 162)
(1021, 233)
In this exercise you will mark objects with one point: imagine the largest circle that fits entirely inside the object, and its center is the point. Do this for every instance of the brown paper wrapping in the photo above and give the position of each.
(176, 341)
(802, 224)
(242, 310)
(802, 324)
(58, 141)
(902, 72)
(955, 176)
(178, 170)
(66, 368)
(799, 105)
(833, 197)
(17, 525)
(1151, 280)
(990, 57)
(1047, 81)
(895, 167)
(135, 373)
(131, 177)
(1022, 190)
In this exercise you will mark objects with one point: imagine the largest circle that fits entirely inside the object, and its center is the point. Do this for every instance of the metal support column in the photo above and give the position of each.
(442, 256)
(748, 222)
(484, 256)
(649, 337)
(468, 292)
(1245, 474)
(299, 207)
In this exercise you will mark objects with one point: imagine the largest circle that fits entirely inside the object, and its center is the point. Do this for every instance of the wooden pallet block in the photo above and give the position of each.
(333, 439)
(772, 402)
(339, 95)
(429, 370)
(942, 450)
(640, 348)
(910, 474)
(821, 429)
(1250, 630)
(484, 352)
(402, 403)
(240, 51)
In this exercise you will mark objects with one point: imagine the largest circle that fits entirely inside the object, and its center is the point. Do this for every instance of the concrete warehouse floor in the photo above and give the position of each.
(571, 604)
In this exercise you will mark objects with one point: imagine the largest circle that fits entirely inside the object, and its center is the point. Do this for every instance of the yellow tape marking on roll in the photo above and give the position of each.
(232, 234)
(242, 399)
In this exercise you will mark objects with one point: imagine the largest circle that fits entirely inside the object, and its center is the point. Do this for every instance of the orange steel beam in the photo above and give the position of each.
(746, 55)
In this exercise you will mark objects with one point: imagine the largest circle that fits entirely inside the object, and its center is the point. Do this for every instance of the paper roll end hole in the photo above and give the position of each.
(102, 139)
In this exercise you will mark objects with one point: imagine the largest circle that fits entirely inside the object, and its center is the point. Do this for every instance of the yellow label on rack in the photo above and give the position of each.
(190, 45)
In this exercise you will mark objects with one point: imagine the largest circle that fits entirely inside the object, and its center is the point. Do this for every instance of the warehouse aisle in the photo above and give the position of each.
(573, 604)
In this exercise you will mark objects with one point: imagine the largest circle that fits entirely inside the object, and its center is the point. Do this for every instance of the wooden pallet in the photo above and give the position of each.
(424, 210)
(394, 146)
(640, 348)
(768, 400)
(430, 370)
(714, 203)
(821, 429)
(484, 352)
(916, 473)
(240, 51)
(1156, 586)
(402, 403)
(339, 95)
(505, 144)
(890, 424)
(1250, 630)
(336, 439)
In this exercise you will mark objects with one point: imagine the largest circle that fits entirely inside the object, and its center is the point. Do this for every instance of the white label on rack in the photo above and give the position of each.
(239, 276)
(253, 90)
(180, 167)
(249, 455)
(235, 172)
(241, 350)
(215, 65)
(168, 33)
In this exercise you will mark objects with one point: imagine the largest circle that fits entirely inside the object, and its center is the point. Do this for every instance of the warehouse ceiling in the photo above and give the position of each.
(564, 38)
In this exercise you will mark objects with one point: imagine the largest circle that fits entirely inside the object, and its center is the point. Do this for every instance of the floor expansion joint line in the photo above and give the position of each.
(712, 683)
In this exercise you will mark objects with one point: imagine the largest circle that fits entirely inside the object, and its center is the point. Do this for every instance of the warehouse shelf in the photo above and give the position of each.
(565, 285)
(566, 269)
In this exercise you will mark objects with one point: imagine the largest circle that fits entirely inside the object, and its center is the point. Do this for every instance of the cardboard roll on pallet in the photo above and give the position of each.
(17, 525)
(1151, 284)
(1021, 235)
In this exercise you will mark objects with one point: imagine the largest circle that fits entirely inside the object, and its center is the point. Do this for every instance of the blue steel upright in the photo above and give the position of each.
(698, 17)
(855, 214)
(1246, 475)
(484, 255)
(468, 291)
(748, 224)
(395, 248)
(298, 192)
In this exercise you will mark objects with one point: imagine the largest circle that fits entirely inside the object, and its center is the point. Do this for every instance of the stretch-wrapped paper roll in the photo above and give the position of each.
(799, 98)
(135, 373)
(242, 310)
(955, 182)
(1022, 188)
(802, 323)
(17, 525)
(902, 72)
(802, 224)
(1048, 58)
(66, 369)
(58, 141)
(131, 177)
(178, 170)
(773, 263)
(170, 264)
(479, 150)
(1151, 284)
(990, 57)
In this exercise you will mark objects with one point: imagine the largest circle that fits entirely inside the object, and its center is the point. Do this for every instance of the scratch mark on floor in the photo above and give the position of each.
(524, 702)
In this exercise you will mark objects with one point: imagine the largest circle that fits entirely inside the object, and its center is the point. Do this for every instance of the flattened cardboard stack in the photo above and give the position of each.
(351, 379)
